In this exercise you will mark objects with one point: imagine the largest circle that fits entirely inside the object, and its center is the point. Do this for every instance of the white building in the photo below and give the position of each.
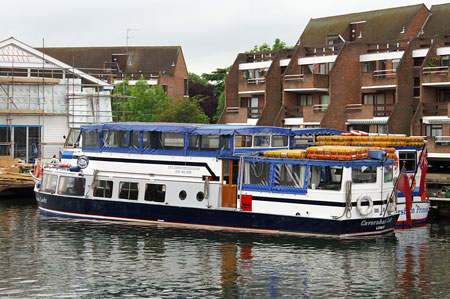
(41, 98)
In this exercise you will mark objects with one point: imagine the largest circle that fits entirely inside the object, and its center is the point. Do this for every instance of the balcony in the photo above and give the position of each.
(379, 79)
(293, 111)
(438, 144)
(311, 82)
(257, 85)
(436, 76)
(435, 109)
(368, 111)
(254, 113)
(323, 51)
(392, 46)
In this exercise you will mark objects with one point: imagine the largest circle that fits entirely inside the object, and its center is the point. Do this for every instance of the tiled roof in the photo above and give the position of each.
(144, 59)
(439, 22)
(380, 25)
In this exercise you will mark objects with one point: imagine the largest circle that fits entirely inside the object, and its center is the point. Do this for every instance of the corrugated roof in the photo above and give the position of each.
(145, 59)
(380, 25)
(439, 22)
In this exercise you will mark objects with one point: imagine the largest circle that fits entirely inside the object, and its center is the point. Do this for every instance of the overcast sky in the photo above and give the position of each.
(211, 33)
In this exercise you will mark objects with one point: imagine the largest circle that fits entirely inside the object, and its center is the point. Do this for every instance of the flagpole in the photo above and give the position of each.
(395, 186)
(417, 166)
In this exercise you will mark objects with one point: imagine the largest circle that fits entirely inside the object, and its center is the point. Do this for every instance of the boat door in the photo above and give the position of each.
(230, 170)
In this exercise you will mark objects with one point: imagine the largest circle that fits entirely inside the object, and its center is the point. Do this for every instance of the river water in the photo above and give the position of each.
(51, 257)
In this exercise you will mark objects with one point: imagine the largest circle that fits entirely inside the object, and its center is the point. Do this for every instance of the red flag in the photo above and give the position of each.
(403, 187)
(424, 167)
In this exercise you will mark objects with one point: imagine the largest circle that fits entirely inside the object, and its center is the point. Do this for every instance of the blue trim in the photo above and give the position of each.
(67, 155)
(315, 131)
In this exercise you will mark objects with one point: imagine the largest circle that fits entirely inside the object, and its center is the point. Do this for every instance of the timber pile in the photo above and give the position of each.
(14, 173)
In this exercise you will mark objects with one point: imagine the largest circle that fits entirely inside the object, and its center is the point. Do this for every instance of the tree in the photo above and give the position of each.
(184, 110)
(208, 102)
(277, 45)
(218, 78)
(194, 78)
(220, 106)
(143, 103)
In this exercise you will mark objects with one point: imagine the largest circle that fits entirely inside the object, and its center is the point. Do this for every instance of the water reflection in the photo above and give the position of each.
(57, 257)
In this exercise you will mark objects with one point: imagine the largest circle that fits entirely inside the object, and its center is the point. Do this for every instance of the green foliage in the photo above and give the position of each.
(184, 110)
(217, 77)
(277, 45)
(143, 103)
(433, 61)
(220, 106)
(194, 78)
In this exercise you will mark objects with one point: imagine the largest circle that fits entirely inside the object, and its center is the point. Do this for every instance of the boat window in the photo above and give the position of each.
(90, 139)
(208, 142)
(69, 185)
(173, 141)
(49, 183)
(128, 190)
(364, 174)
(243, 141)
(290, 175)
(103, 189)
(116, 138)
(261, 141)
(134, 142)
(256, 173)
(73, 140)
(279, 140)
(388, 174)
(325, 177)
(408, 159)
(155, 192)
(152, 140)
(303, 140)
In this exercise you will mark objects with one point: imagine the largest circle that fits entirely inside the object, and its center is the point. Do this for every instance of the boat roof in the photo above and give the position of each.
(187, 128)
(316, 131)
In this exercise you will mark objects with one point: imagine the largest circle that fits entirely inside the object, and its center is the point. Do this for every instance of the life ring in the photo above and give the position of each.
(364, 212)
(411, 178)
(37, 170)
(359, 133)
(396, 162)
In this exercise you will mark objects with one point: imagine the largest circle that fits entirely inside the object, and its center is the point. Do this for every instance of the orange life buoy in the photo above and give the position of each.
(396, 162)
(359, 133)
(37, 170)
(411, 178)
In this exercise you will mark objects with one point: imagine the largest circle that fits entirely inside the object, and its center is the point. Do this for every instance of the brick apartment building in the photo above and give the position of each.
(383, 71)
(163, 66)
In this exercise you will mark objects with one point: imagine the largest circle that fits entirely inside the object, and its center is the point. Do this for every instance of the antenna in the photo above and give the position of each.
(128, 37)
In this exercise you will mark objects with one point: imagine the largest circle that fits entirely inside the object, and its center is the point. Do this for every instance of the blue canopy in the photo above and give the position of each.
(199, 129)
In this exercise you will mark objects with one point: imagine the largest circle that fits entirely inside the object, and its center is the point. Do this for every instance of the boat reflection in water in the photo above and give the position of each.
(60, 257)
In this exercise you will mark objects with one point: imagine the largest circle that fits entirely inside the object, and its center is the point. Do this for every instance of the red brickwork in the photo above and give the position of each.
(344, 86)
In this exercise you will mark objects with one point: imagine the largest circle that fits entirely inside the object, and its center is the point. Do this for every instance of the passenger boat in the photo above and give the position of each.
(219, 177)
